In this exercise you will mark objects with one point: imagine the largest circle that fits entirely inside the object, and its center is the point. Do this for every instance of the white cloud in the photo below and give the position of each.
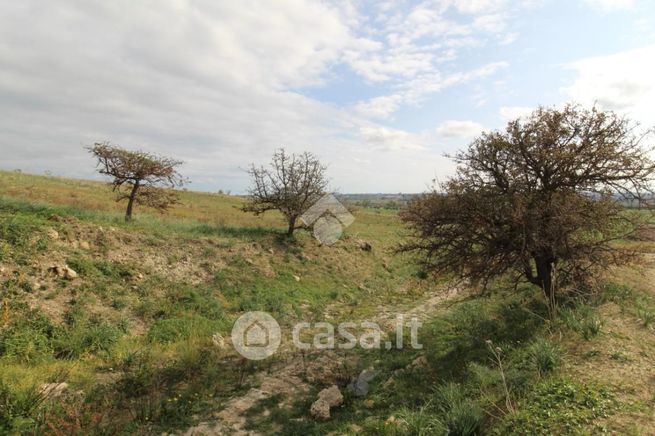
(412, 92)
(216, 83)
(610, 5)
(623, 82)
(387, 139)
(510, 113)
(459, 129)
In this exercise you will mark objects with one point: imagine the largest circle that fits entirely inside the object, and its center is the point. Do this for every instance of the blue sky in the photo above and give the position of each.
(378, 90)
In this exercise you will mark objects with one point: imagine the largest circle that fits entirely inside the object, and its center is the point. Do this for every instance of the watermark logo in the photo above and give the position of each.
(256, 335)
(328, 217)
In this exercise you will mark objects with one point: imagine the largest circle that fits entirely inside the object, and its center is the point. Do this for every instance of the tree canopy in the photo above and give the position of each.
(139, 177)
(291, 184)
(543, 200)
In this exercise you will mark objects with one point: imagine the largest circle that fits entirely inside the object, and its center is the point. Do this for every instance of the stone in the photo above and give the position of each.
(85, 245)
(296, 278)
(360, 385)
(331, 395)
(52, 234)
(320, 410)
(65, 272)
(365, 246)
(420, 362)
(53, 389)
(69, 273)
(369, 404)
(327, 399)
(218, 340)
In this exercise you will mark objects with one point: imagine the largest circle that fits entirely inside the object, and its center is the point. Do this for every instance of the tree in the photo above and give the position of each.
(543, 201)
(292, 184)
(139, 177)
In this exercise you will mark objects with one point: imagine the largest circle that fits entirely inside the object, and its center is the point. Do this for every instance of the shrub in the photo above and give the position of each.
(461, 416)
(545, 356)
(180, 328)
(420, 422)
(582, 319)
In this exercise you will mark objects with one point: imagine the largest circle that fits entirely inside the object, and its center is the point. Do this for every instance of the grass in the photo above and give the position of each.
(132, 335)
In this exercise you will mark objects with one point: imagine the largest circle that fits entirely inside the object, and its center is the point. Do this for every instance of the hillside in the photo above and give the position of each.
(138, 332)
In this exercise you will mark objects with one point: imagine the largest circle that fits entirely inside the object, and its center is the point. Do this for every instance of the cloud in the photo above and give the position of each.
(221, 84)
(510, 113)
(412, 92)
(387, 139)
(610, 5)
(459, 129)
(622, 82)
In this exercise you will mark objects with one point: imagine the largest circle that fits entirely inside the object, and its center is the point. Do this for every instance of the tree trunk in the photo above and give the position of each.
(292, 226)
(130, 202)
(545, 278)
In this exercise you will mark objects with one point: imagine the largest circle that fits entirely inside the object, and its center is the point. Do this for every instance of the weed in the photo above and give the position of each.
(545, 356)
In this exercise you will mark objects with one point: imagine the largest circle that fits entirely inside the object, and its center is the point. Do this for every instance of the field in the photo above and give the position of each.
(138, 340)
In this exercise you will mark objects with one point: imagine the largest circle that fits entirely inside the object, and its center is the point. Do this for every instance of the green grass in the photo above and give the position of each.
(132, 335)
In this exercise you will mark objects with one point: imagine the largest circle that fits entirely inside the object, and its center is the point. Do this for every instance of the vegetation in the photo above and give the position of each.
(539, 201)
(291, 185)
(138, 335)
(138, 177)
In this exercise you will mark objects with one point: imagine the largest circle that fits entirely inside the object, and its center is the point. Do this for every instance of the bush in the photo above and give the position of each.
(28, 339)
(180, 328)
(86, 337)
(582, 319)
(545, 356)
(461, 416)
(421, 422)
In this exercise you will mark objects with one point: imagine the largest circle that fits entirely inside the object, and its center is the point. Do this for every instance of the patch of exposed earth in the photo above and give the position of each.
(294, 374)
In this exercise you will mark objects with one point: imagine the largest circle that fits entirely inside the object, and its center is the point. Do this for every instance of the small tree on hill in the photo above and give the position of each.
(544, 200)
(139, 177)
(291, 184)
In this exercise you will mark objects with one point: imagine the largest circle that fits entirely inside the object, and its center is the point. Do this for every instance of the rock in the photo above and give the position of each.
(360, 385)
(327, 399)
(85, 245)
(65, 272)
(365, 246)
(36, 285)
(390, 420)
(389, 383)
(296, 278)
(69, 274)
(332, 396)
(320, 410)
(420, 362)
(218, 340)
(270, 250)
(369, 404)
(250, 261)
(52, 234)
(53, 389)
(355, 428)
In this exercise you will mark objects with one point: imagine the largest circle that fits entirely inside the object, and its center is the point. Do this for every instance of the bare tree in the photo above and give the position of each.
(544, 200)
(291, 185)
(139, 177)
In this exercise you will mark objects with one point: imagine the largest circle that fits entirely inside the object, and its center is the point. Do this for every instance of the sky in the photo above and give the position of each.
(380, 91)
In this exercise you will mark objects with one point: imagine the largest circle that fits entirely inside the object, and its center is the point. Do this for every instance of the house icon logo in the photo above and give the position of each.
(256, 335)
(327, 217)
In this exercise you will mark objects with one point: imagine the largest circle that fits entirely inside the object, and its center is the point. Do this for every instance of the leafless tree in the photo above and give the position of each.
(139, 177)
(544, 200)
(291, 184)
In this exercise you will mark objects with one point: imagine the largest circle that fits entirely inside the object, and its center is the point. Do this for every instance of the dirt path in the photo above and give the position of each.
(292, 373)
